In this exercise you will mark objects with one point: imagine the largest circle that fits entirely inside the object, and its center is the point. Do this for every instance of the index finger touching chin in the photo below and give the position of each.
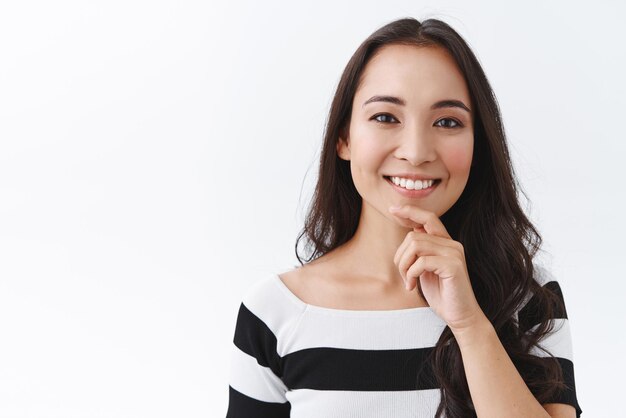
(421, 217)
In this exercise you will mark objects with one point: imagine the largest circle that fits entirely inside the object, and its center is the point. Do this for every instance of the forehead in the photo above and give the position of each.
(419, 74)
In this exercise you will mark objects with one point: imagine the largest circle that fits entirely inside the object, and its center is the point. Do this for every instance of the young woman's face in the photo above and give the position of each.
(422, 128)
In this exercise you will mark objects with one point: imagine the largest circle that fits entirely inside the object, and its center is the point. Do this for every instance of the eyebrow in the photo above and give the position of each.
(437, 105)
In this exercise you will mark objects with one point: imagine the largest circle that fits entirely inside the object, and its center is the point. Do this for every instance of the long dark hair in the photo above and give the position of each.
(499, 240)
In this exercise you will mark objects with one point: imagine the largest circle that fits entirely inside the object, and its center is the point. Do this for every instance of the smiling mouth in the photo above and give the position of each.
(435, 184)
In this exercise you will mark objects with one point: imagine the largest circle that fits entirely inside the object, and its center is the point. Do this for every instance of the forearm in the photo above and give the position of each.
(496, 387)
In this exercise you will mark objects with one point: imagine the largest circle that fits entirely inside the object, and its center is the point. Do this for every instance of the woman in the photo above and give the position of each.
(433, 308)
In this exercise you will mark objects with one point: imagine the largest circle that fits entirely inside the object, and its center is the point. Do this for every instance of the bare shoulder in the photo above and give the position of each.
(310, 283)
(292, 279)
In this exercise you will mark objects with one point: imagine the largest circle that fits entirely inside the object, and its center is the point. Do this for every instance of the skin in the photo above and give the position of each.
(414, 139)
(411, 138)
(392, 248)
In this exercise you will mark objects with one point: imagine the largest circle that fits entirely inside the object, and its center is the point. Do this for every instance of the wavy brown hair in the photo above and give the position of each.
(500, 242)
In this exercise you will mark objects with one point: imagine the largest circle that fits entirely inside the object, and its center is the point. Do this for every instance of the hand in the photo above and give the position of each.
(440, 267)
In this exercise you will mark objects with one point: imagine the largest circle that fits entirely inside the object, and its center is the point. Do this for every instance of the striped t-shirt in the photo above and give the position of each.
(293, 359)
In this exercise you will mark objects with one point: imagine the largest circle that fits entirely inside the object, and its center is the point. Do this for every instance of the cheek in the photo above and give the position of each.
(368, 154)
(458, 159)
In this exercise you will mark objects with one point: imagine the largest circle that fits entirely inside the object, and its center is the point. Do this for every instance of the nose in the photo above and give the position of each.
(416, 146)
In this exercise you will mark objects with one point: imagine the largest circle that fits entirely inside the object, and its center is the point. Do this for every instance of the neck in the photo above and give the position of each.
(370, 252)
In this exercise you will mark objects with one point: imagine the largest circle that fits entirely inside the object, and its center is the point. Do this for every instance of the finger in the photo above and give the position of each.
(415, 249)
(408, 223)
(415, 282)
(435, 245)
(422, 266)
(440, 267)
(427, 219)
(436, 240)
(403, 246)
(406, 260)
(410, 237)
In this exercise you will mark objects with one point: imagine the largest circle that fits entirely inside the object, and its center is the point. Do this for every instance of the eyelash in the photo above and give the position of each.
(458, 124)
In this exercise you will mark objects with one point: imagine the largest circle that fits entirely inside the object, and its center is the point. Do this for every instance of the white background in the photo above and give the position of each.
(157, 157)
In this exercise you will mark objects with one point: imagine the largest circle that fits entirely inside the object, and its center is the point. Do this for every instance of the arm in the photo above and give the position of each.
(496, 387)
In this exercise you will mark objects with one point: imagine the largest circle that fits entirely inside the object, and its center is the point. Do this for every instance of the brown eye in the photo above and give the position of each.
(387, 115)
(455, 123)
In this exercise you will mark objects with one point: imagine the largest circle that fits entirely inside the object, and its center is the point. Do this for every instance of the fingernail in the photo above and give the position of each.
(396, 207)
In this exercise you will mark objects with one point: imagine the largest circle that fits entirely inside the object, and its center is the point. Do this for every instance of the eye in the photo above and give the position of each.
(455, 123)
(375, 117)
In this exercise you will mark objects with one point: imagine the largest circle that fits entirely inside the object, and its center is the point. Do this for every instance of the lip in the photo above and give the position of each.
(413, 193)
(412, 176)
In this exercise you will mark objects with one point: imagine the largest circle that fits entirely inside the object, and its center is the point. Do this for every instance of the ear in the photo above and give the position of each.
(343, 148)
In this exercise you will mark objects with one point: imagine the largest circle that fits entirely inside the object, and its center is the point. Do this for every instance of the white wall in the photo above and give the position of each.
(156, 157)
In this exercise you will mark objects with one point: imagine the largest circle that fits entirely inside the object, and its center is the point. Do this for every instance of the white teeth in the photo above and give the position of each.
(412, 184)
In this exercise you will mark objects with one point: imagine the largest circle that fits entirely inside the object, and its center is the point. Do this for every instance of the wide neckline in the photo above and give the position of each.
(349, 312)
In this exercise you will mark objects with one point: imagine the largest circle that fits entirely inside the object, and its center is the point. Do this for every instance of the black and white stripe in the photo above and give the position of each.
(291, 359)
(558, 341)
